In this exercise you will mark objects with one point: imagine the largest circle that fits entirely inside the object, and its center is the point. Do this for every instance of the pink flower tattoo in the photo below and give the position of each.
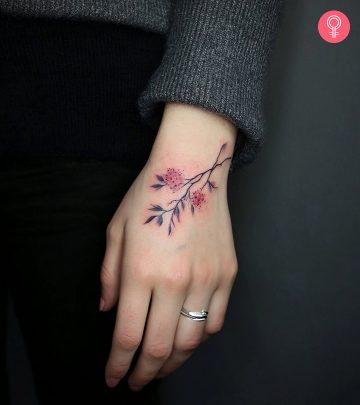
(174, 179)
(197, 198)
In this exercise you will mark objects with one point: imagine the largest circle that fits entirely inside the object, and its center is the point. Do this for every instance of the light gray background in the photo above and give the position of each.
(292, 331)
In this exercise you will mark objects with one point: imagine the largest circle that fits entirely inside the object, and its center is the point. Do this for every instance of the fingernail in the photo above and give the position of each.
(102, 304)
(111, 382)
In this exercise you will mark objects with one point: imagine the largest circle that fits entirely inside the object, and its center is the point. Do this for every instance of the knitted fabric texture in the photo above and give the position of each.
(217, 55)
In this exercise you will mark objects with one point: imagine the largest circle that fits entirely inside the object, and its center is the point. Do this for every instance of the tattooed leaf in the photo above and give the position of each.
(169, 229)
(150, 219)
(177, 213)
(156, 208)
(182, 205)
(158, 185)
(172, 220)
(192, 209)
(159, 220)
(160, 178)
(210, 185)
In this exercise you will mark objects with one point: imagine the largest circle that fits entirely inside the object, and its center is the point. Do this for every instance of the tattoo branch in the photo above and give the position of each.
(174, 179)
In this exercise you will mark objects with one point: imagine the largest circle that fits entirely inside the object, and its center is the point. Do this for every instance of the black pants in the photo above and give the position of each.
(54, 214)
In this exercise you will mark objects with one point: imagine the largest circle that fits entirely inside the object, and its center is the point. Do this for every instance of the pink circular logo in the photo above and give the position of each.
(334, 26)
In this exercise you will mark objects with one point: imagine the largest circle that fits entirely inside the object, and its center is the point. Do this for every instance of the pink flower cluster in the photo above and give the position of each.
(174, 179)
(197, 198)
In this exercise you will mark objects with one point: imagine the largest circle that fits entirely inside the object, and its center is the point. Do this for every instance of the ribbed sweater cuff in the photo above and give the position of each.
(146, 14)
(217, 55)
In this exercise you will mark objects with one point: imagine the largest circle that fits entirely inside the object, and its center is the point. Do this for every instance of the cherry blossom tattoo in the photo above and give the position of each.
(193, 195)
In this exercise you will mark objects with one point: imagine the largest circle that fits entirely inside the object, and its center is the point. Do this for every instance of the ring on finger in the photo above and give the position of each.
(195, 315)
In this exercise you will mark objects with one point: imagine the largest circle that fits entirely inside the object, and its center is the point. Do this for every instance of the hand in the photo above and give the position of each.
(171, 257)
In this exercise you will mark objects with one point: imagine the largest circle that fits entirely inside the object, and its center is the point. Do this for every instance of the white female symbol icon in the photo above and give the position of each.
(333, 26)
(337, 22)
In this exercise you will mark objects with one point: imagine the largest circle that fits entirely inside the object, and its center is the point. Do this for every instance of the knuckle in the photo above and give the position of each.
(205, 276)
(206, 272)
(230, 272)
(142, 272)
(235, 266)
(177, 279)
(126, 341)
(233, 274)
(111, 232)
(158, 351)
(188, 345)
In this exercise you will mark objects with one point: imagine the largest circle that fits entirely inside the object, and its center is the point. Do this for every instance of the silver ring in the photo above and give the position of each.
(196, 316)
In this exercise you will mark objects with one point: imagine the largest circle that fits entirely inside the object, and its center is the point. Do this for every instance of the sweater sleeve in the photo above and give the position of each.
(216, 56)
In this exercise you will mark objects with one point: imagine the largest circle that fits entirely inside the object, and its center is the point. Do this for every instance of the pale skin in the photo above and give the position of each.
(195, 266)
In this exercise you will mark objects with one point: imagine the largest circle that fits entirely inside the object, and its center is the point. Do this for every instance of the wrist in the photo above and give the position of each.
(191, 136)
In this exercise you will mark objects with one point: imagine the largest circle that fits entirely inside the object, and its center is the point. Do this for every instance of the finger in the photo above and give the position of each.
(219, 302)
(189, 332)
(166, 303)
(131, 316)
(217, 312)
(214, 322)
(110, 270)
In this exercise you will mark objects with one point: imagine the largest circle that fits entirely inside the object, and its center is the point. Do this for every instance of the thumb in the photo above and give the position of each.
(111, 268)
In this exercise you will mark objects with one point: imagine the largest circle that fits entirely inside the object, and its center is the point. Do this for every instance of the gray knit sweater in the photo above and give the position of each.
(217, 54)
